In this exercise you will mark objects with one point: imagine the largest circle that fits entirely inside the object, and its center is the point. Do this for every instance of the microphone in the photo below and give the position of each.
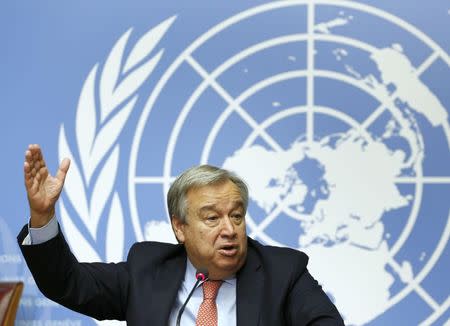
(200, 275)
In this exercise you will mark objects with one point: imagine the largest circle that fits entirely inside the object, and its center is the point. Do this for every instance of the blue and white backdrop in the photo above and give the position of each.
(335, 112)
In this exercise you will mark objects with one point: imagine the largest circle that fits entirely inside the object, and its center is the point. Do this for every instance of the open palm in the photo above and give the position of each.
(43, 189)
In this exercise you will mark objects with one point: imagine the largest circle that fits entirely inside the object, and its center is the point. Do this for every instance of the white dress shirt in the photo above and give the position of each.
(225, 300)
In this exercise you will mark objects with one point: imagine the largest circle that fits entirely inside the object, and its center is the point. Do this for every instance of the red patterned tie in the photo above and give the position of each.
(207, 314)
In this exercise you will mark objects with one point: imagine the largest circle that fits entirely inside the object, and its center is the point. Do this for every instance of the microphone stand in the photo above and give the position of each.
(200, 276)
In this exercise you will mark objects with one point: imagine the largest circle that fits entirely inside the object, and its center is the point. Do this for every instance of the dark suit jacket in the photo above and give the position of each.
(273, 287)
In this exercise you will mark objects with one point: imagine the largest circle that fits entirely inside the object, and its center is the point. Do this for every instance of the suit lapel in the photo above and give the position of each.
(167, 283)
(250, 281)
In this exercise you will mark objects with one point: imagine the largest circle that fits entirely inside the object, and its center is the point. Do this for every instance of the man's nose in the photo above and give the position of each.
(228, 227)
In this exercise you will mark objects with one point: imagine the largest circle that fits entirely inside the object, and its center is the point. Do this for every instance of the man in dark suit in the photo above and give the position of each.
(248, 283)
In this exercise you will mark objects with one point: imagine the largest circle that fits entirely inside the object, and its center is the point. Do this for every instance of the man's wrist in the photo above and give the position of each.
(39, 220)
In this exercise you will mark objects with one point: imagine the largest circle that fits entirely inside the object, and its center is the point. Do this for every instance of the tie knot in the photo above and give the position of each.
(210, 289)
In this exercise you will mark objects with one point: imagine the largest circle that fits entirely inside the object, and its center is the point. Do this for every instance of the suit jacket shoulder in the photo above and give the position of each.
(283, 291)
(279, 255)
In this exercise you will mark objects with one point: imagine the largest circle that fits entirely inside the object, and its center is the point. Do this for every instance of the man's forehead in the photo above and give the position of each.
(238, 203)
(214, 196)
(226, 187)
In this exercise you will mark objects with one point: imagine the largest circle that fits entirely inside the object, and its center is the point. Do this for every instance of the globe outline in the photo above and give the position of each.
(166, 179)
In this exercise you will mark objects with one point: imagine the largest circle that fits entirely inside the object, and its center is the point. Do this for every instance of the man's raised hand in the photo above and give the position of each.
(43, 190)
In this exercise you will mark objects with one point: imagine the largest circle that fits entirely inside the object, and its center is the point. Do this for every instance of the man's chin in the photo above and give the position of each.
(225, 269)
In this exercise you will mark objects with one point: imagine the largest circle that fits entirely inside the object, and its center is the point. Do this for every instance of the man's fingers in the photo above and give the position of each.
(28, 166)
(32, 155)
(27, 175)
(34, 167)
(28, 156)
(40, 157)
(35, 170)
(35, 151)
(62, 171)
(31, 183)
(41, 174)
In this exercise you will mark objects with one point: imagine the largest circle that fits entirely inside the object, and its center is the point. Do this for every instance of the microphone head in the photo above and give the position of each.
(201, 274)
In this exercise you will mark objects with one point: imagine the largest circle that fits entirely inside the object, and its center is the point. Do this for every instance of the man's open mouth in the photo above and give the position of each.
(228, 250)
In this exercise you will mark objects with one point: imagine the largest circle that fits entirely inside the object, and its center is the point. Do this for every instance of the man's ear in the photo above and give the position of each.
(178, 228)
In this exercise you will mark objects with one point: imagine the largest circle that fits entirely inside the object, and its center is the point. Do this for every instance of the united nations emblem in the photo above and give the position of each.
(339, 129)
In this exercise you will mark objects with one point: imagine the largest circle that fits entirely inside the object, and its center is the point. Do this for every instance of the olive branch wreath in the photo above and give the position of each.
(107, 98)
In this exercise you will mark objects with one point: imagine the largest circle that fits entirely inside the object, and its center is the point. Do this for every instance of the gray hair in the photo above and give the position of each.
(199, 176)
